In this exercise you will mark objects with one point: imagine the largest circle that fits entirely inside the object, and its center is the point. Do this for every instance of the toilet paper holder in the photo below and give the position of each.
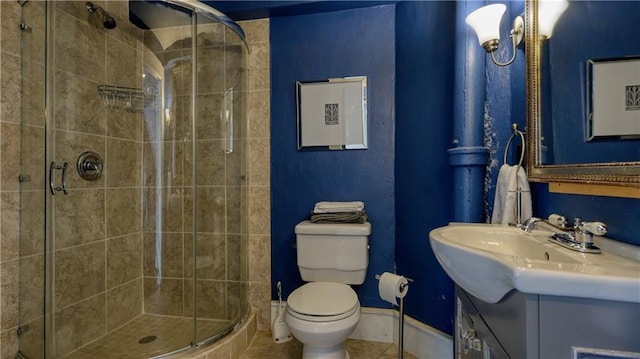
(401, 285)
(400, 317)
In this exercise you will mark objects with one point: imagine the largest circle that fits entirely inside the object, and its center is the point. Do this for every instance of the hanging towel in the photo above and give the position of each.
(337, 207)
(510, 178)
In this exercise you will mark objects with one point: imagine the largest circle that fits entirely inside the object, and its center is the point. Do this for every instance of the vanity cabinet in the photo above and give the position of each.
(528, 326)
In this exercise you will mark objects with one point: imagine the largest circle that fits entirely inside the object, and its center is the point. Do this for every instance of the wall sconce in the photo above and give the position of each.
(549, 11)
(485, 21)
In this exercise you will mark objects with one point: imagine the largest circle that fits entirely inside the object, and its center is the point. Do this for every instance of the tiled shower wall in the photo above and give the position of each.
(103, 254)
(259, 169)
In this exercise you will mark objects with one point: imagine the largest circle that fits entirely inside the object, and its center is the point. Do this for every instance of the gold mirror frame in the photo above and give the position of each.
(611, 173)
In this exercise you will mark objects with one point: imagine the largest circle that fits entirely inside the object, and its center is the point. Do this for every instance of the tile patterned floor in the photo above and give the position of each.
(172, 333)
(263, 347)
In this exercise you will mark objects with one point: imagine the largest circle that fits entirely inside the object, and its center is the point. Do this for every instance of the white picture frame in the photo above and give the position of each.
(332, 114)
(613, 99)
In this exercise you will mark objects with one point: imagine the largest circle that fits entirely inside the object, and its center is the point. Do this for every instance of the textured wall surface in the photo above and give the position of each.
(357, 42)
(424, 112)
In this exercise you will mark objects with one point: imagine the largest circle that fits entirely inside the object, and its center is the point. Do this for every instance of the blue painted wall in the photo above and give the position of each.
(314, 47)
(424, 126)
(404, 177)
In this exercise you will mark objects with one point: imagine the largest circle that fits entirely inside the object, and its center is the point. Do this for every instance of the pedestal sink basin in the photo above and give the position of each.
(488, 261)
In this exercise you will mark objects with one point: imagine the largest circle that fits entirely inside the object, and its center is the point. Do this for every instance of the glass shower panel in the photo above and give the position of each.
(95, 77)
(167, 186)
(221, 229)
(31, 205)
(148, 239)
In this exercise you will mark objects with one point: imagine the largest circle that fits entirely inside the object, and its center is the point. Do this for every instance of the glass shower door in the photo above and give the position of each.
(29, 204)
(131, 190)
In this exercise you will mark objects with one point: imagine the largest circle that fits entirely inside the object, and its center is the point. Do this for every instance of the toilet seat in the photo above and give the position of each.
(323, 302)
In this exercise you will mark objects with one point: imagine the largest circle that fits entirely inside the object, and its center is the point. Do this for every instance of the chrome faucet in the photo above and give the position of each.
(530, 223)
(584, 231)
(578, 238)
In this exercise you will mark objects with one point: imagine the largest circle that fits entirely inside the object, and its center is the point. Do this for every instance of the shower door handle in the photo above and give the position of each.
(227, 114)
(53, 167)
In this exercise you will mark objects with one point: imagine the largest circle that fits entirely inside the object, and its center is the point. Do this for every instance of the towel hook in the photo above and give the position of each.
(515, 133)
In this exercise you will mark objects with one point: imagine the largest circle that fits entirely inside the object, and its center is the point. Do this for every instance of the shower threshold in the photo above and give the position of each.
(170, 334)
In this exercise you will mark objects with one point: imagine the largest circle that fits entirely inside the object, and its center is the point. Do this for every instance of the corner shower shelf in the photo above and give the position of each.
(128, 98)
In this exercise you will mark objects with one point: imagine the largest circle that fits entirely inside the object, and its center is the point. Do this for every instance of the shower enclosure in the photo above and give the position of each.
(131, 187)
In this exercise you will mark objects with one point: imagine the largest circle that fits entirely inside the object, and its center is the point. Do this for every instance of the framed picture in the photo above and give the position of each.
(613, 98)
(332, 114)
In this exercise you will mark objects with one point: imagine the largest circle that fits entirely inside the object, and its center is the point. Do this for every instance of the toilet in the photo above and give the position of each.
(322, 313)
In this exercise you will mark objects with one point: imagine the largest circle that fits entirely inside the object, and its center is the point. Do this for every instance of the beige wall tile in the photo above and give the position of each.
(77, 105)
(211, 256)
(164, 296)
(9, 225)
(124, 303)
(256, 30)
(210, 299)
(9, 294)
(170, 248)
(123, 65)
(80, 324)
(124, 125)
(123, 211)
(259, 162)
(260, 258)
(237, 267)
(259, 114)
(237, 299)
(9, 156)
(11, 87)
(124, 262)
(31, 288)
(211, 163)
(259, 296)
(209, 124)
(259, 208)
(79, 273)
(239, 343)
(210, 210)
(9, 32)
(79, 217)
(173, 202)
(123, 163)
(9, 347)
(79, 48)
(165, 157)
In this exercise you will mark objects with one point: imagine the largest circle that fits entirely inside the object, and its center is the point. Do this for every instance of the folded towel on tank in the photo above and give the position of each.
(338, 207)
(340, 217)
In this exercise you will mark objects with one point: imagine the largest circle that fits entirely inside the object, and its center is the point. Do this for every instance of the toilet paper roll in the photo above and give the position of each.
(392, 286)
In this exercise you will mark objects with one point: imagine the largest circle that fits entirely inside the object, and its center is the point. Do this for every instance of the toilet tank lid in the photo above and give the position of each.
(350, 229)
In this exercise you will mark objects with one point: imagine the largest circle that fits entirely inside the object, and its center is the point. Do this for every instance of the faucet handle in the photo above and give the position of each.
(597, 228)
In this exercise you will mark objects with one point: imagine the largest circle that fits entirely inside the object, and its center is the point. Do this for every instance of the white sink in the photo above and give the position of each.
(489, 261)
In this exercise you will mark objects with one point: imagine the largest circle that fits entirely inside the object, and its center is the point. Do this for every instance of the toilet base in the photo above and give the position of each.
(336, 352)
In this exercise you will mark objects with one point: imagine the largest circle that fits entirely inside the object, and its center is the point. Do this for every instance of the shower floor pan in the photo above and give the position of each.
(147, 336)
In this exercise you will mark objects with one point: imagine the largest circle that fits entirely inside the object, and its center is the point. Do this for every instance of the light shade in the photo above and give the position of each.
(485, 21)
(549, 11)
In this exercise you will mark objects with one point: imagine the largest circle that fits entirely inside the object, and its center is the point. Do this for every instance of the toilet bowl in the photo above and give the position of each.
(321, 315)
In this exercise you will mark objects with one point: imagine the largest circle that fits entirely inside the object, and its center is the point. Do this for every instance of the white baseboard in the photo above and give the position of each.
(381, 325)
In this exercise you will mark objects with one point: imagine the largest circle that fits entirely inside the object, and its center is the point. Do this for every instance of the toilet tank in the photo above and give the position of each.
(333, 252)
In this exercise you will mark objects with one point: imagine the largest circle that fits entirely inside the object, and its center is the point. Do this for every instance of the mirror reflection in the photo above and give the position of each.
(596, 32)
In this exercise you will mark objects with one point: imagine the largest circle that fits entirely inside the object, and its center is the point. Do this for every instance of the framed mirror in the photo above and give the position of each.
(559, 95)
